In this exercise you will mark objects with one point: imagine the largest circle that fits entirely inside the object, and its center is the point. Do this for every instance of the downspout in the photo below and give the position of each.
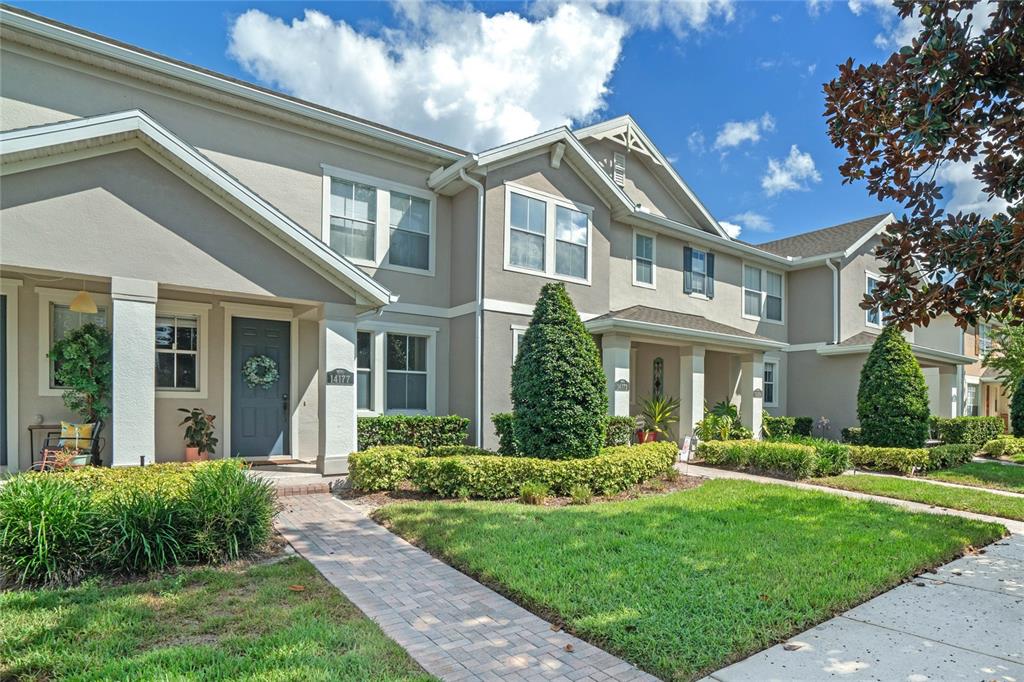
(478, 342)
(835, 300)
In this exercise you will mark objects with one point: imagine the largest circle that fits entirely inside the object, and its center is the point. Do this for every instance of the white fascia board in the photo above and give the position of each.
(46, 30)
(933, 354)
(667, 225)
(446, 175)
(309, 249)
(614, 325)
(877, 229)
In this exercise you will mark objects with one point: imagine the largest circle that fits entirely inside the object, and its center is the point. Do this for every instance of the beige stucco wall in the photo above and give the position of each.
(820, 386)
(810, 305)
(942, 334)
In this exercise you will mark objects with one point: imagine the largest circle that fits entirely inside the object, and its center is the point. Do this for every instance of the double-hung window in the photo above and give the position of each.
(177, 352)
(364, 371)
(698, 272)
(643, 259)
(971, 402)
(527, 232)
(984, 340)
(378, 222)
(406, 372)
(875, 317)
(64, 320)
(771, 373)
(762, 293)
(547, 235)
(353, 219)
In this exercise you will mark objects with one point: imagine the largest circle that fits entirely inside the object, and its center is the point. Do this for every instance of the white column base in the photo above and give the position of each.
(691, 389)
(337, 401)
(133, 439)
(752, 392)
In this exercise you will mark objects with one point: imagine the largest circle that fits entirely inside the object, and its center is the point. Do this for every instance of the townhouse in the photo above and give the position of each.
(209, 221)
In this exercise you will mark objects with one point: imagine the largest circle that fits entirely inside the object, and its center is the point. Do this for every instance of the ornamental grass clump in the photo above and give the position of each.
(559, 399)
(892, 402)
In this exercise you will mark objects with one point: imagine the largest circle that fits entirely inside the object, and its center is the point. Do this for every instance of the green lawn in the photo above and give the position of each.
(984, 475)
(917, 490)
(683, 584)
(207, 624)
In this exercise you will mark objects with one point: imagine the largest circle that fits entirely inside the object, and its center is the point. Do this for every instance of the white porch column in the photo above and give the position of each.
(337, 389)
(615, 357)
(752, 391)
(691, 389)
(134, 381)
(949, 394)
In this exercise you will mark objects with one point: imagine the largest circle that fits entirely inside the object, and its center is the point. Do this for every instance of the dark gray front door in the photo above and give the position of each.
(259, 416)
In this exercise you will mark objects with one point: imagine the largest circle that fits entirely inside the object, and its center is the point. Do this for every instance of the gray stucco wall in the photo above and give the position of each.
(810, 305)
(821, 386)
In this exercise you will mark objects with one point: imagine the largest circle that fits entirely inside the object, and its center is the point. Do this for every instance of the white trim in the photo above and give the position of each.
(868, 275)
(9, 288)
(131, 56)
(654, 259)
(379, 329)
(702, 295)
(495, 305)
(382, 221)
(867, 236)
(427, 310)
(517, 329)
(158, 143)
(798, 347)
(202, 312)
(261, 312)
(933, 354)
(48, 297)
(764, 294)
(551, 204)
(776, 364)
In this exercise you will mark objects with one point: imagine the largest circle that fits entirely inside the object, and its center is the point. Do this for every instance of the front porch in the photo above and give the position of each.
(649, 353)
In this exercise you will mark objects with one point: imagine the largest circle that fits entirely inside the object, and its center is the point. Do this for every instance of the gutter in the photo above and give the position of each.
(835, 300)
(478, 405)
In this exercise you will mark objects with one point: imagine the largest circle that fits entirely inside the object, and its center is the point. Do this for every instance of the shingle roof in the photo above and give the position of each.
(668, 318)
(860, 339)
(825, 240)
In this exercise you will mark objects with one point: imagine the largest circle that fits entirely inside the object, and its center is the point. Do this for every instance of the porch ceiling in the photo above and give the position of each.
(679, 326)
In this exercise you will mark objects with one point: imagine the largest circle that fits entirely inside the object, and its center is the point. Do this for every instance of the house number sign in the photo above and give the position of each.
(339, 377)
(758, 393)
(622, 385)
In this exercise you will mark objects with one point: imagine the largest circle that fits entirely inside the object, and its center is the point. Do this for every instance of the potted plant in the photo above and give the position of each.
(656, 418)
(200, 442)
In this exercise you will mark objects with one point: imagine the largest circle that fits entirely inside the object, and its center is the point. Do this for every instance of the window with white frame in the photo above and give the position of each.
(406, 387)
(527, 232)
(547, 235)
(353, 219)
(984, 340)
(377, 222)
(643, 259)
(875, 316)
(517, 339)
(762, 293)
(698, 272)
(64, 320)
(364, 371)
(971, 400)
(177, 352)
(770, 384)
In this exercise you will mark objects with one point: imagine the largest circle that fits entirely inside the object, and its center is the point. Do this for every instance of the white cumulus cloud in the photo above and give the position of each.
(735, 133)
(791, 173)
(963, 192)
(897, 32)
(457, 74)
(731, 229)
(753, 221)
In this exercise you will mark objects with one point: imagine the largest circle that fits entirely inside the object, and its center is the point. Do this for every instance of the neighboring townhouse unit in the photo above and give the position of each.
(212, 220)
(984, 390)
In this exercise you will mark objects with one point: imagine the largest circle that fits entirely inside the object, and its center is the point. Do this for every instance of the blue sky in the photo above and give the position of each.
(684, 72)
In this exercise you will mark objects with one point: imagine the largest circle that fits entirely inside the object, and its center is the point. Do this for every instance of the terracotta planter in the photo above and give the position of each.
(193, 455)
(646, 436)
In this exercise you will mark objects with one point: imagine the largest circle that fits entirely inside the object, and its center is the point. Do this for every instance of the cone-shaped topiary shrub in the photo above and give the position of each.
(558, 385)
(892, 403)
(1017, 410)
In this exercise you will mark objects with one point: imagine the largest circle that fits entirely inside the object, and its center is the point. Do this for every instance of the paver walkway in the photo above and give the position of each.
(963, 622)
(453, 626)
(711, 472)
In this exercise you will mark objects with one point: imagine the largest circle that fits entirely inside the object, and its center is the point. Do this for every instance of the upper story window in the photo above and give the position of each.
(619, 169)
(547, 235)
(698, 272)
(379, 223)
(984, 340)
(875, 316)
(762, 294)
(643, 259)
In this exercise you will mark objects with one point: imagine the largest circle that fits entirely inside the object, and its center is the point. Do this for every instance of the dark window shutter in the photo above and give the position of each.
(687, 269)
(711, 275)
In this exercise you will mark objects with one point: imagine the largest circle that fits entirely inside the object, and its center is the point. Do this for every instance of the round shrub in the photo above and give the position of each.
(381, 468)
(892, 402)
(49, 530)
(1017, 410)
(558, 385)
(950, 455)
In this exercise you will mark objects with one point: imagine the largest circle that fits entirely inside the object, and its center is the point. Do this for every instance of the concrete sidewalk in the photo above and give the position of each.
(964, 622)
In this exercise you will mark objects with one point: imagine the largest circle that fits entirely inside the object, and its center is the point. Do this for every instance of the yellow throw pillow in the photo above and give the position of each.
(76, 435)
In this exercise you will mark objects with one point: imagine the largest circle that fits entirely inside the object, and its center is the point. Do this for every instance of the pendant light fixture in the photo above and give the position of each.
(83, 303)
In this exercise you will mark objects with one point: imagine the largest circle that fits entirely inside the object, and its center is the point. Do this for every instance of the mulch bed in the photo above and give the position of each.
(406, 493)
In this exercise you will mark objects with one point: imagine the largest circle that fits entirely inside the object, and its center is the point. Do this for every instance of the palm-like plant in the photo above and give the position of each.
(659, 414)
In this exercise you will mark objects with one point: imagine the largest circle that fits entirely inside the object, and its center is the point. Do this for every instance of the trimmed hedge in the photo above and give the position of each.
(490, 476)
(967, 430)
(421, 431)
(903, 460)
(778, 427)
(56, 528)
(618, 431)
(833, 457)
(852, 435)
(789, 460)
(951, 455)
(1004, 446)
(803, 426)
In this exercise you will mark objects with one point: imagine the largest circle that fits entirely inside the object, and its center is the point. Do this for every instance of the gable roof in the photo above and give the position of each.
(844, 238)
(29, 147)
(65, 35)
(625, 131)
(660, 322)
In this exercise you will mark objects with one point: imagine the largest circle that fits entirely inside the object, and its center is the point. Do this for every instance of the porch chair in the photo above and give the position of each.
(54, 454)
